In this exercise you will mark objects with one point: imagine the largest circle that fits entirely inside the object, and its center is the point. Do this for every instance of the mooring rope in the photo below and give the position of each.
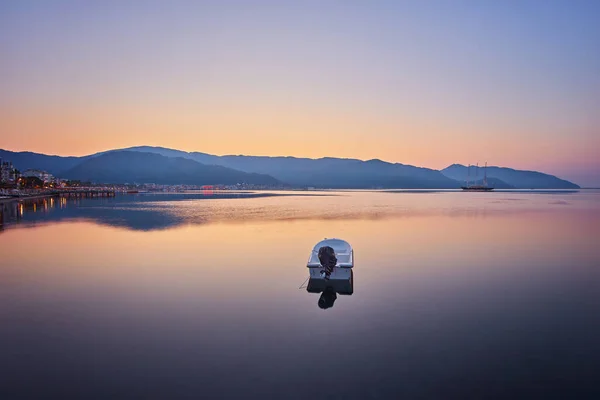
(304, 282)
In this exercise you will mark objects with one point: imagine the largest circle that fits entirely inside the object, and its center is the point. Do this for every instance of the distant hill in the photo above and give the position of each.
(328, 172)
(323, 172)
(131, 166)
(518, 179)
(28, 160)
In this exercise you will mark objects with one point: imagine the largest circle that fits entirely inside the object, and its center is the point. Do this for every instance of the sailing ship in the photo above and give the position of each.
(475, 187)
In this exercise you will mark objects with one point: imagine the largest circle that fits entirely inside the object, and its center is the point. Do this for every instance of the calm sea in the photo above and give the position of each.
(456, 295)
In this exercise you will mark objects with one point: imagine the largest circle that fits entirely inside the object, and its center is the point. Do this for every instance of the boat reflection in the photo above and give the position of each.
(329, 289)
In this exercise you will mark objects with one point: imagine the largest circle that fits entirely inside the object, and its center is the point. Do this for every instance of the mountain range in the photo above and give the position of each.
(146, 164)
(133, 166)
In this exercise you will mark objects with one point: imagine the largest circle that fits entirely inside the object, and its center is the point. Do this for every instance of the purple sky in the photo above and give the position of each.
(429, 83)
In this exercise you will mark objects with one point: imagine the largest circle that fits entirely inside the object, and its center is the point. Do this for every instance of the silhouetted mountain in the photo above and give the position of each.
(132, 166)
(516, 178)
(163, 151)
(28, 160)
(323, 172)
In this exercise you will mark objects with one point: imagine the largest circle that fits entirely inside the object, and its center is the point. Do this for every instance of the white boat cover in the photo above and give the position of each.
(343, 252)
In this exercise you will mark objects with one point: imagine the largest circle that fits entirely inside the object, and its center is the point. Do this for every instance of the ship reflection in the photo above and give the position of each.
(329, 289)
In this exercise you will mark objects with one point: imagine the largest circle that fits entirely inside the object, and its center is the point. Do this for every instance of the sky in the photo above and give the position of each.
(427, 83)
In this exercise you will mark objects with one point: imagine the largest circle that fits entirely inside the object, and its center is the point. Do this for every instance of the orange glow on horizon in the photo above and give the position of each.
(310, 134)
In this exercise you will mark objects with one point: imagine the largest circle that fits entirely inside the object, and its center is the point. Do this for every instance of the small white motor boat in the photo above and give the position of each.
(345, 260)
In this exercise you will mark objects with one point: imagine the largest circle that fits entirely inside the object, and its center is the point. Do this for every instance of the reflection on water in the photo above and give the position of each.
(459, 296)
(161, 211)
(329, 289)
(14, 211)
(140, 212)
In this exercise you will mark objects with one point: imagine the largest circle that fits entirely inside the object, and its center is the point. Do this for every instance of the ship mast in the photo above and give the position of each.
(468, 174)
(485, 175)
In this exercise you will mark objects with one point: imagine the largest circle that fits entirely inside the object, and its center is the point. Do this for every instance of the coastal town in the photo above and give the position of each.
(35, 190)
(16, 184)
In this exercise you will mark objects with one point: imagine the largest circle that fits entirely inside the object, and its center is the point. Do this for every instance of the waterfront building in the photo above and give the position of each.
(7, 171)
(43, 175)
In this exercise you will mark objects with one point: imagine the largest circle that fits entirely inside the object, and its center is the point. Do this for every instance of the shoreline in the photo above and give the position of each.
(31, 197)
(83, 193)
(7, 200)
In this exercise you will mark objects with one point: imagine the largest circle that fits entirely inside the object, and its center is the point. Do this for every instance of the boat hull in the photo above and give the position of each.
(338, 273)
(339, 286)
(477, 189)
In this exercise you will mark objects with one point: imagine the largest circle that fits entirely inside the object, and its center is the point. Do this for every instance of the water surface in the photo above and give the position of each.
(469, 295)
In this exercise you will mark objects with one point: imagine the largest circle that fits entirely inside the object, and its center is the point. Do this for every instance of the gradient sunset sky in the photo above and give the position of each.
(428, 83)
